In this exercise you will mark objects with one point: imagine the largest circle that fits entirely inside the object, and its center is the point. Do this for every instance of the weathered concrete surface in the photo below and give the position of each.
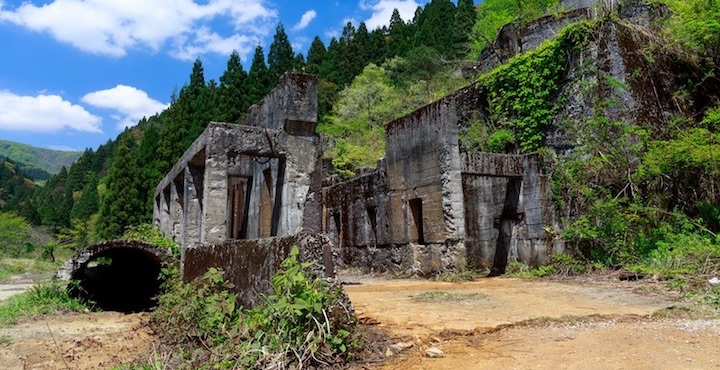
(419, 211)
(429, 207)
(250, 264)
(507, 208)
(253, 180)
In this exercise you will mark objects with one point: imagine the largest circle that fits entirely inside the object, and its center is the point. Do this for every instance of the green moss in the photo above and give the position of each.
(522, 93)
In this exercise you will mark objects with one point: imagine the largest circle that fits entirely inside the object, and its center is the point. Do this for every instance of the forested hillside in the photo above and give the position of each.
(38, 163)
(14, 185)
(633, 156)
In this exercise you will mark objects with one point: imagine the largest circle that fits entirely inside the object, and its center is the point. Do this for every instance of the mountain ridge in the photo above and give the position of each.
(31, 158)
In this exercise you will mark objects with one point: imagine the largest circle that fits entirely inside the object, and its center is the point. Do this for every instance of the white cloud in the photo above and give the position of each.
(112, 27)
(44, 114)
(205, 41)
(382, 11)
(334, 32)
(305, 20)
(130, 103)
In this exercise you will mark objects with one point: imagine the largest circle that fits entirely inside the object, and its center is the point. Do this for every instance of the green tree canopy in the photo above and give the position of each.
(281, 56)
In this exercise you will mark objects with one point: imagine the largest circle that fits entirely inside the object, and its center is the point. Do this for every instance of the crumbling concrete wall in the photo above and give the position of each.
(428, 207)
(408, 214)
(250, 264)
(253, 180)
(507, 210)
(425, 209)
(512, 39)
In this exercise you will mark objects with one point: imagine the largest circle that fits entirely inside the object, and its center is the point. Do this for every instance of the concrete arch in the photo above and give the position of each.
(117, 275)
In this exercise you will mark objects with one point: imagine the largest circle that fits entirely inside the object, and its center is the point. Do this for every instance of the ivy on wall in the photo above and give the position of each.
(521, 93)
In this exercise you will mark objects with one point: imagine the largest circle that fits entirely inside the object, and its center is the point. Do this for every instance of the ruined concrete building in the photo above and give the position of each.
(427, 207)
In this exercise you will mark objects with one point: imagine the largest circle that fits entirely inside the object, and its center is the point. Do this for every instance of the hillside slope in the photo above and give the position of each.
(14, 186)
(29, 157)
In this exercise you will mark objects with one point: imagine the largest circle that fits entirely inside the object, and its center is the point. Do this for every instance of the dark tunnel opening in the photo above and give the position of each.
(121, 279)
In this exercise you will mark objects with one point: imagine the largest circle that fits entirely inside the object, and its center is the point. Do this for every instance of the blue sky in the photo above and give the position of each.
(74, 73)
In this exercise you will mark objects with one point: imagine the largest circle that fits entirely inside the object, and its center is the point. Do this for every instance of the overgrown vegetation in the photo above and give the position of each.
(377, 96)
(632, 198)
(301, 323)
(147, 233)
(42, 299)
(24, 248)
(493, 14)
(523, 93)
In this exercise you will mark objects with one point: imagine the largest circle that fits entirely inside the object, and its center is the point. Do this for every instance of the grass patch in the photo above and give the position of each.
(439, 295)
(42, 299)
(156, 361)
(17, 266)
(5, 340)
(456, 277)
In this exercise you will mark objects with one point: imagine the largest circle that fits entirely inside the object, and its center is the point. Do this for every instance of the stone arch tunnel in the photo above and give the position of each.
(117, 275)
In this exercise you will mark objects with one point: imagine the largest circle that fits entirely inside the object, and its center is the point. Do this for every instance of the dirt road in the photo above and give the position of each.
(520, 324)
(75, 341)
(488, 323)
(20, 283)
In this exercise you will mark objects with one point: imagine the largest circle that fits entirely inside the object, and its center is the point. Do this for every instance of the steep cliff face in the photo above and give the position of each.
(625, 72)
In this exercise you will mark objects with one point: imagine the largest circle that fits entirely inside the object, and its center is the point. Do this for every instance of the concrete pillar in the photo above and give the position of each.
(192, 206)
(161, 212)
(215, 217)
(177, 214)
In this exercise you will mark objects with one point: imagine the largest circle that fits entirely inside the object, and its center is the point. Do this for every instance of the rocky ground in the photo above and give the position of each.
(487, 323)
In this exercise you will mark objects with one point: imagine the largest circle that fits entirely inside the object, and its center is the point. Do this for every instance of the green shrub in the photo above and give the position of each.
(493, 14)
(147, 233)
(14, 234)
(300, 323)
(499, 140)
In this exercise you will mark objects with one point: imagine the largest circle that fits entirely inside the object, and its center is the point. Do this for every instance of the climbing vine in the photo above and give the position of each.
(521, 93)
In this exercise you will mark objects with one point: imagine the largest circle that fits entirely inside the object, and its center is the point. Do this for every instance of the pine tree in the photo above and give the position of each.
(259, 79)
(360, 49)
(233, 90)
(398, 38)
(102, 158)
(172, 135)
(194, 99)
(378, 45)
(299, 63)
(122, 203)
(330, 69)
(148, 173)
(280, 56)
(464, 21)
(435, 27)
(53, 207)
(89, 202)
(316, 56)
(344, 61)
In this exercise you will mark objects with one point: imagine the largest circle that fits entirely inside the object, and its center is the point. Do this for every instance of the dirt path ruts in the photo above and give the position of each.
(521, 324)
